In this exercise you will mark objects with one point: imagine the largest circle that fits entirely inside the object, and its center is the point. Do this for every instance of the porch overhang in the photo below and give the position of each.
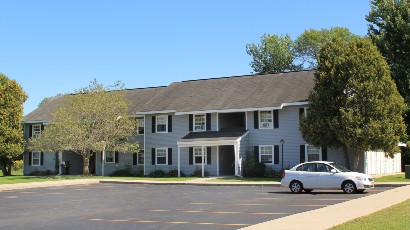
(213, 138)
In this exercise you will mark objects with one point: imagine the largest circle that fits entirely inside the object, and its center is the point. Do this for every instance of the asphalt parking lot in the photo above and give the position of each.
(133, 206)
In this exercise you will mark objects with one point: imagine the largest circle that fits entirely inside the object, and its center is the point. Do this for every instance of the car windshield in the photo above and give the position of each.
(339, 167)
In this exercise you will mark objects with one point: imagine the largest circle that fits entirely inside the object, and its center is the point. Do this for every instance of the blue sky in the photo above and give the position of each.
(53, 47)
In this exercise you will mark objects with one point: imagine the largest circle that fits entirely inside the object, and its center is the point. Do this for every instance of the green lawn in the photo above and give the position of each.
(245, 179)
(395, 217)
(26, 179)
(393, 178)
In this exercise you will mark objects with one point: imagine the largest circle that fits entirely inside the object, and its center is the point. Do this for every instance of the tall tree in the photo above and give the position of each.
(94, 119)
(274, 54)
(354, 101)
(309, 43)
(389, 29)
(12, 98)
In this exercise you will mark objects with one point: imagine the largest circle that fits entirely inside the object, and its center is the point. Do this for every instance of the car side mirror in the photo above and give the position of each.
(333, 171)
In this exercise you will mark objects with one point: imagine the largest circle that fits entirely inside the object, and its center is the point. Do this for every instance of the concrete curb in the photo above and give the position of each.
(337, 214)
(195, 182)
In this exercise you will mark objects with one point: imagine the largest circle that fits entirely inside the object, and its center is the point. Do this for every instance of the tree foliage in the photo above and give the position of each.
(274, 54)
(355, 103)
(90, 119)
(309, 43)
(12, 98)
(280, 53)
(389, 29)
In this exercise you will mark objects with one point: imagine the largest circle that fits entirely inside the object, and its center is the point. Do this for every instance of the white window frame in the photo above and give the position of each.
(260, 154)
(35, 158)
(200, 155)
(166, 156)
(36, 134)
(140, 152)
(270, 124)
(194, 125)
(307, 155)
(113, 158)
(140, 122)
(166, 124)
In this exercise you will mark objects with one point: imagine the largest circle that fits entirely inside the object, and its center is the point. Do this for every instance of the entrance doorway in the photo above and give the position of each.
(226, 160)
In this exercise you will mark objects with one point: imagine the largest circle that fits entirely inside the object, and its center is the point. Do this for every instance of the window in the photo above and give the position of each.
(265, 119)
(140, 157)
(323, 168)
(109, 157)
(313, 153)
(161, 156)
(140, 123)
(35, 159)
(199, 122)
(162, 123)
(309, 167)
(266, 154)
(36, 131)
(198, 156)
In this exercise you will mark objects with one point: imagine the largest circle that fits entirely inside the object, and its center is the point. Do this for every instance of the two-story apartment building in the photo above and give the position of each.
(210, 124)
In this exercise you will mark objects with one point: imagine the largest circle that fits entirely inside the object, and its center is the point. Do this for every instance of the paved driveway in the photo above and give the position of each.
(132, 206)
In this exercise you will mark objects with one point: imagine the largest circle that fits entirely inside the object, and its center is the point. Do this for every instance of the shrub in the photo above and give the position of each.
(272, 173)
(42, 173)
(157, 173)
(198, 172)
(17, 165)
(139, 171)
(253, 168)
(122, 172)
(172, 173)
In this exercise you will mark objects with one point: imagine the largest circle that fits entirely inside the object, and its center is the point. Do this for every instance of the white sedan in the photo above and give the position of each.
(325, 175)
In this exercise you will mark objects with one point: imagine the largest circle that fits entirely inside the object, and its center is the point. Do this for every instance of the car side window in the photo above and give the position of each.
(309, 167)
(323, 168)
(299, 168)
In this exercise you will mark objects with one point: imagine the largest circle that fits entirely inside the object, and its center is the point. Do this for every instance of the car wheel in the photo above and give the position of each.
(296, 187)
(349, 187)
(360, 191)
(308, 190)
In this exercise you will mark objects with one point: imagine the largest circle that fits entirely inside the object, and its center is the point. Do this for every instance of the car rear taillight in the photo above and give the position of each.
(283, 173)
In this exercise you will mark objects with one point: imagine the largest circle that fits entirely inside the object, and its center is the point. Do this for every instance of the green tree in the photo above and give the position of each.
(309, 43)
(12, 98)
(274, 54)
(389, 29)
(94, 119)
(354, 101)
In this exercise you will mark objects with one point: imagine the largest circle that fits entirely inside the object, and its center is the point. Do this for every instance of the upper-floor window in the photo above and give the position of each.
(36, 129)
(141, 126)
(199, 122)
(162, 124)
(266, 154)
(265, 119)
(313, 153)
(198, 156)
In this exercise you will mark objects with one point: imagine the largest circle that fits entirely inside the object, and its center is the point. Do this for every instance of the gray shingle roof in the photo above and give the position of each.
(137, 98)
(243, 92)
(254, 91)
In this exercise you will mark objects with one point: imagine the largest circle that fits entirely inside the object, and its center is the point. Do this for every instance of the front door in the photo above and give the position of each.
(226, 160)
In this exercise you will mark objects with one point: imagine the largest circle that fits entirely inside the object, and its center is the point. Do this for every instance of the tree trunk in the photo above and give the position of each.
(86, 163)
(346, 155)
(356, 161)
(6, 169)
